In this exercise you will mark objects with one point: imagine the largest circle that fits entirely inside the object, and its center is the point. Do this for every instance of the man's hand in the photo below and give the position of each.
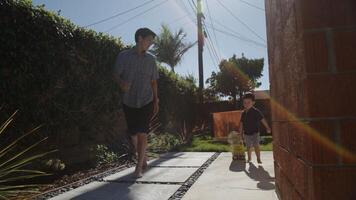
(124, 85)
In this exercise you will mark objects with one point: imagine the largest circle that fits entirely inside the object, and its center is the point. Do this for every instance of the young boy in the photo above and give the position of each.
(250, 119)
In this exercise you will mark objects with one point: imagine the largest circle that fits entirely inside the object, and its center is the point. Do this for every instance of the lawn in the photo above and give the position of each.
(208, 144)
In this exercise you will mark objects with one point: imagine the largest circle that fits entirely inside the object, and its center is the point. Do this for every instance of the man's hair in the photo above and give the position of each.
(144, 32)
(249, 96)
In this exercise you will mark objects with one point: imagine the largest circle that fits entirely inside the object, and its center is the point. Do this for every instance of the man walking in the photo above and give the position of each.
(136, 73)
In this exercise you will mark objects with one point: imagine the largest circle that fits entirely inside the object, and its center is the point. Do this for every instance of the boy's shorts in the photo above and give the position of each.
(252, 140)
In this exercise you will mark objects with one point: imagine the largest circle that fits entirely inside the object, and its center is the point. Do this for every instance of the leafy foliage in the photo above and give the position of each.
(170, 48)
(179, 98)
(57, 74)
(163, 142)
(60, 75)
(14, 162)
(236, 76)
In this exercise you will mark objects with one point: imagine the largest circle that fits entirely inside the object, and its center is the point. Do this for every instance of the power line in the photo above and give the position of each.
(192, 7)
(212, 44)
(186, 10)
(232, 14)
(216, 41)
(118, 14)
(250, 4)
(141, 13)
(179, 18)
(195, 5)
(212, 57)
(233, 31)
(240, 38)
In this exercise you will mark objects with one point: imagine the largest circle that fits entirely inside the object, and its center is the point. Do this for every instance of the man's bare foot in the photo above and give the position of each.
(138, 173)
(248, 160)
(259, 161)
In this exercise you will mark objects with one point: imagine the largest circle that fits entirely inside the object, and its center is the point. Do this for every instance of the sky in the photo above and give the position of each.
(233, 26)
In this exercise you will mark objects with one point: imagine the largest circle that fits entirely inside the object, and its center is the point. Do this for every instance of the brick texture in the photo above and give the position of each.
(312, 66)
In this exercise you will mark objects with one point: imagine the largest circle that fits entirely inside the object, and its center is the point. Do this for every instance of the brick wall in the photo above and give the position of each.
(312, 60)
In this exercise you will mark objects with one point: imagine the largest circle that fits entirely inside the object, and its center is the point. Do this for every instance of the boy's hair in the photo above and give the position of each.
(143, 32)
(249, 96)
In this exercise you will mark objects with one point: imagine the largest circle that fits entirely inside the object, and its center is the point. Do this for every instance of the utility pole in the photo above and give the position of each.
(200, 49)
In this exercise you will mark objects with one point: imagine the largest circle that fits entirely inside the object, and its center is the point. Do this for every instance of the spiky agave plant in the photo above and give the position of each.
(14, 162)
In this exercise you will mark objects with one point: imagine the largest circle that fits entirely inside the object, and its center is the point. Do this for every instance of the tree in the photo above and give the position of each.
(236, 76)
(169, 48)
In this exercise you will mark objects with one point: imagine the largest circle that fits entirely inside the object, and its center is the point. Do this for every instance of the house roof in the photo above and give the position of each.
(262, 94)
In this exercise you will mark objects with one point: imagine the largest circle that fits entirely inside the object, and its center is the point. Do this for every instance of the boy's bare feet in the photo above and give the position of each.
(259, 161)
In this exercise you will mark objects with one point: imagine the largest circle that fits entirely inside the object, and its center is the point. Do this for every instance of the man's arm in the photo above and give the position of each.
(265, 124)
(118, 70)
(123, 84)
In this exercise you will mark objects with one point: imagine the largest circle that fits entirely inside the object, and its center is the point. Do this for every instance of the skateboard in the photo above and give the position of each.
(237, 146)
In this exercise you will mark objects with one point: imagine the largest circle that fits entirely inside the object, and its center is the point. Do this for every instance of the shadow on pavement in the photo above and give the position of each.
(237, 166)
(265, 181)
(116, 191)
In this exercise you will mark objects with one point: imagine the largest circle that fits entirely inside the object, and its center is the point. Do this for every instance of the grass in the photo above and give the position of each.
(208, 144)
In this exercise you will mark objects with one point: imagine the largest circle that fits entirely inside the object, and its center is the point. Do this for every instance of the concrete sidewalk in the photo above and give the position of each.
(227, 179)
(223, 179)
(163, 178)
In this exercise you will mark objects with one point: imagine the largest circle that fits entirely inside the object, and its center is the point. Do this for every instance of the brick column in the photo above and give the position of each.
(312, 60)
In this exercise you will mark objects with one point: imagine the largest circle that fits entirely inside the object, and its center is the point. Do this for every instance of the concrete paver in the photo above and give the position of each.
(223, 179)
(163, 175)
(227, 179)
(119, 191)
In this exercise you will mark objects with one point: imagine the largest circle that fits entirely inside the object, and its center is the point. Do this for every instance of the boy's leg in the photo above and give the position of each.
(249, 152)
(258, 153)
(248, 147)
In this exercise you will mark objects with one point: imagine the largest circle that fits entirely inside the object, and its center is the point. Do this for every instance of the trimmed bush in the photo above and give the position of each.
(57, 74)
(60, 75)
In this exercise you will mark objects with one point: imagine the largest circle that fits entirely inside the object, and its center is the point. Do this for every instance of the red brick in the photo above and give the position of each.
(330, 95)
(348, 140)
(283, 135)
(284, 160)
(330, 183)
(328, 13)
(275, 133)
(344, 47)
(315, 52)
(297, 139)
(286, 188)
(318, 150)
(299, 175)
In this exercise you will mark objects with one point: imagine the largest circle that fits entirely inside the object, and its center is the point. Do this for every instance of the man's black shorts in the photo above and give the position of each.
(138, 119)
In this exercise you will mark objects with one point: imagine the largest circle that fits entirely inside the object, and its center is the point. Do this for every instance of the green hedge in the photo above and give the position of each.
(55, 72)
(178, 101)
(60, 75)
